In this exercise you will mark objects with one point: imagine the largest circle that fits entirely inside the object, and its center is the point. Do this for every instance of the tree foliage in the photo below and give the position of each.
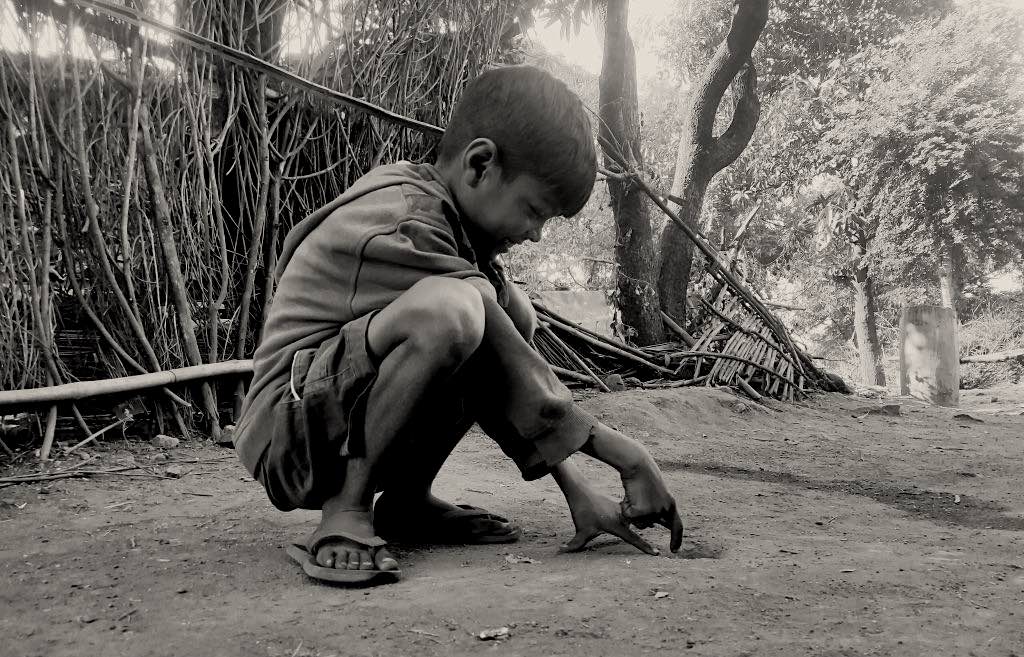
(803, 38)
(933, 152)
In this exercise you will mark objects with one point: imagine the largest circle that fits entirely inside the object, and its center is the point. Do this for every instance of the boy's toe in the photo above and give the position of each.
(354, 560)
(325, 557)
(385, 561)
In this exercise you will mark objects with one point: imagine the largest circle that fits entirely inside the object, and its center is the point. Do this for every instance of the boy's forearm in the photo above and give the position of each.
(617, 450)
(570, 479)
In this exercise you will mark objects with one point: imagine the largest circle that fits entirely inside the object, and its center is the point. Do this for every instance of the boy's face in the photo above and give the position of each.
(503, 212)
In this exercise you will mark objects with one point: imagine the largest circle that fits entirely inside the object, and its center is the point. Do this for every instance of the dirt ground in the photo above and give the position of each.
(814, 529)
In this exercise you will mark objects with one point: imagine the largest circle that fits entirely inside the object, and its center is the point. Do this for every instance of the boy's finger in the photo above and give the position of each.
(578, 541)
(634, 539)
(677, 530)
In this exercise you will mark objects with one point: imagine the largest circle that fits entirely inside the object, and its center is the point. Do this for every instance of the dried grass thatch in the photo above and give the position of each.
(148, 182)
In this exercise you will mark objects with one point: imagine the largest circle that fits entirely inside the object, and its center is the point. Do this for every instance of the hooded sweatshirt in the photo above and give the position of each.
(393, 227)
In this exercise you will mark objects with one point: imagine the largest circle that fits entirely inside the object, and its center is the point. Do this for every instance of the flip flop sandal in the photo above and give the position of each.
(305, 556)
(464, 525)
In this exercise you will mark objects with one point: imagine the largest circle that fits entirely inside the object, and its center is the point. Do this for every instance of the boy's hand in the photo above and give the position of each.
(595, 514)
(648, 502)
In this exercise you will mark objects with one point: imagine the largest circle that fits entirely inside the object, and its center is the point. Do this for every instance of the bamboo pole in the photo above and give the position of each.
(86, 389)
(126, 14)
(51, 425)
(683, 334)
(1000, 357)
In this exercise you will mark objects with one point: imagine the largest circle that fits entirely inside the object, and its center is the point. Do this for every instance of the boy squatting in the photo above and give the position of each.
(393, 329)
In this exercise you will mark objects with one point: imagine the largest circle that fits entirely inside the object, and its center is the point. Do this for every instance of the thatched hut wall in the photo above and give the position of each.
(134, 186)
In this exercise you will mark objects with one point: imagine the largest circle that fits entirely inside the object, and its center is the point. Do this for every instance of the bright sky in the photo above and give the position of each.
(584, 49)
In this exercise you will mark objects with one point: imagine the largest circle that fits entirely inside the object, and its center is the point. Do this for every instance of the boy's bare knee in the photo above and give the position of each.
(448, 320)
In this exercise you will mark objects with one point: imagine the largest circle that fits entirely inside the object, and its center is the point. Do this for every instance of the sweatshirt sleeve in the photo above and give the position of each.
(394, 259)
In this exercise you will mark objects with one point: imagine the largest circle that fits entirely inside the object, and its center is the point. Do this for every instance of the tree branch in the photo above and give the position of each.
(748, 21)
(747, 110)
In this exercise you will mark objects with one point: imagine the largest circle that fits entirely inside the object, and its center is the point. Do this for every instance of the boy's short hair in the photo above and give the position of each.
(539, 126)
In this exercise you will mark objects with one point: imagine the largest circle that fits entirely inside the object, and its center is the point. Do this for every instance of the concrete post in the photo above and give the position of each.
(930, 354)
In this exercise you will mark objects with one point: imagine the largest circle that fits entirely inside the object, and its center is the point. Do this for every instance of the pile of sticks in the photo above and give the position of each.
(732, 337)
(724, 345)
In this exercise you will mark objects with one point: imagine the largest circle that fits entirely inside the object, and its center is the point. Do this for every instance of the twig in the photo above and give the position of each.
(727, 276)
(429, 635)
(605, 345)
(28, 479)
(563, 321)
(570, 374)
(96, 435)
(576, 358)
(123, 471)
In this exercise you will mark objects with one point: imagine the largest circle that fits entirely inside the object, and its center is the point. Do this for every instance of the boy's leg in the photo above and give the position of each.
(437, 429)
(418, 340)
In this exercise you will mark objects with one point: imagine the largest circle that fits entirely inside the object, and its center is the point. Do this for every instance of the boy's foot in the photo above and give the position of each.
(430, 520)
(345, 541)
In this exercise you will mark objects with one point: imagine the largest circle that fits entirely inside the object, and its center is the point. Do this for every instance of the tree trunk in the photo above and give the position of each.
(865, 321)
(701, 154)
(951, 277)
(620, 130)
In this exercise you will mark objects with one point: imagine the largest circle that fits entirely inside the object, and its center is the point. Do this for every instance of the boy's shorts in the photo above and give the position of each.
(319, 421)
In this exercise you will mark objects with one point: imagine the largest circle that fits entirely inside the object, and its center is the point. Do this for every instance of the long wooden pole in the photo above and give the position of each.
(251, 62)
(1000, 357)
(86, 389)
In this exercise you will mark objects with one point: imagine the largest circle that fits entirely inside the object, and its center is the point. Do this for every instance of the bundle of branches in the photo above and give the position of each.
(724, 346)
(151, 170)
(732, 338)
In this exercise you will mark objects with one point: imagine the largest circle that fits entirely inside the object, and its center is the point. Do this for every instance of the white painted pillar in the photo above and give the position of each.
(930, 354)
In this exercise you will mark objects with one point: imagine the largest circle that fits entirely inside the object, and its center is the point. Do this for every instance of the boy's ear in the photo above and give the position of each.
(479, 160)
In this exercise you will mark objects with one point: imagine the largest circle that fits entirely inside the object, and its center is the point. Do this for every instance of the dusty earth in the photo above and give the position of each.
(814, 529)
